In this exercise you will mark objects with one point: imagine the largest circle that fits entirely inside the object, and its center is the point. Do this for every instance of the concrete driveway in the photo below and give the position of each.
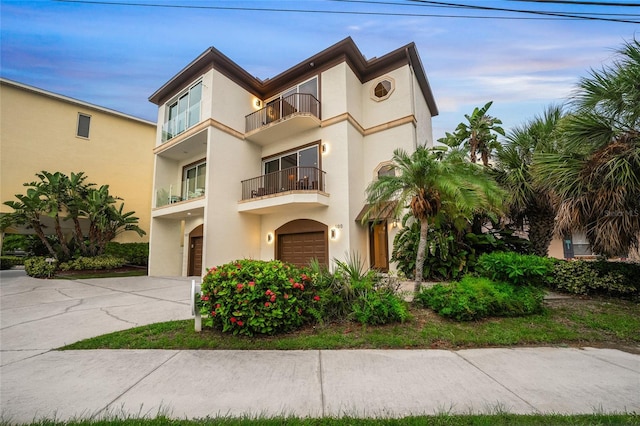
(37, 382)
(39, 315)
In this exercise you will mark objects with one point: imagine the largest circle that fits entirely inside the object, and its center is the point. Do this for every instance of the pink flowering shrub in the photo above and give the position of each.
(255, 297)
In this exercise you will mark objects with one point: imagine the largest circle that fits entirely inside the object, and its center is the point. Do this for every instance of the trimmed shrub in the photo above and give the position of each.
(93, 263)
(255, 297)
(133, 253)
(38, 267)
(7, 262)
(599, 277)
(517, 269)
(474, 298)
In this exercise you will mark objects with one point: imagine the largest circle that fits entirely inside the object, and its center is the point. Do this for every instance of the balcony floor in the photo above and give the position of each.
(284, 201)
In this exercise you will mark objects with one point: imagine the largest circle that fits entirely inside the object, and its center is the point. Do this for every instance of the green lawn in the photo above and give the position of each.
(437, 420)
(572, 322)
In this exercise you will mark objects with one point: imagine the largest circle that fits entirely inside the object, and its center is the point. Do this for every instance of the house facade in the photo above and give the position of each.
(42, 130)
(277, 169)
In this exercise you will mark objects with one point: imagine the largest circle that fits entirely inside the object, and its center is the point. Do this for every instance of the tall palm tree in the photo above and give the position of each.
(530, 203)
(479, 135)
(428, 181)
(596, 173)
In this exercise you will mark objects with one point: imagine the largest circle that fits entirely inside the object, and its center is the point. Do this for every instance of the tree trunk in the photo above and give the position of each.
(61, 239)
(541, 231)
(421, 255)
(40, 233)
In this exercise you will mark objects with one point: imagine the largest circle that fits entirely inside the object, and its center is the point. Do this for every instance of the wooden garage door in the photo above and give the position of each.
(300, 248)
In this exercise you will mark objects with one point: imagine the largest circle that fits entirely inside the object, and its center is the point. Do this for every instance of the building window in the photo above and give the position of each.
(295, 99)
(194, 180)
(296, 169)
(84, 122)
(183, 112)
(382, 89)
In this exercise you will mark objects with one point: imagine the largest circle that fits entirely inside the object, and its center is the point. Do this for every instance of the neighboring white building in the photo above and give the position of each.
(246, 168)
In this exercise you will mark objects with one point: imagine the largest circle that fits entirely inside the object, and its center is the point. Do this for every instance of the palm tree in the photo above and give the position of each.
(478, 135)
(427, 182)
(529, 201)
(596, 173)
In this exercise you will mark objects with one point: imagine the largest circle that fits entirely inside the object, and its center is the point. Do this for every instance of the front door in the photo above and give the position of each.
(195, 256)
(379, 246)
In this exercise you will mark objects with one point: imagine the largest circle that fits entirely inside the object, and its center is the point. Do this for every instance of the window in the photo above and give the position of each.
(382, 89)
(84, 122)
(296, 169)
(194, 180)
(294, 100)
(183, 112)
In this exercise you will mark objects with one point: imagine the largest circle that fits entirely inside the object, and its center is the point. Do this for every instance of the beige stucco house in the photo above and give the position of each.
(40, 130)
(277, 168)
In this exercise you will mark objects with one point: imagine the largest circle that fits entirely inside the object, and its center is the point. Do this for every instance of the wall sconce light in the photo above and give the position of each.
(334, 233)
(258, 103)
(269, 237)
(394, 224)
(325, 148)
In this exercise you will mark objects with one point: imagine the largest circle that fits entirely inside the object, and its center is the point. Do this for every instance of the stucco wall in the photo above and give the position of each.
(38, 133)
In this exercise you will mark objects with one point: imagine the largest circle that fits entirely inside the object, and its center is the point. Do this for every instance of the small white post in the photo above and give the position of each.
(195, 290)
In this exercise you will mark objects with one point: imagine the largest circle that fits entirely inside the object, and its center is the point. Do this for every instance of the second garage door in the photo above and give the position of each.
(300, 248)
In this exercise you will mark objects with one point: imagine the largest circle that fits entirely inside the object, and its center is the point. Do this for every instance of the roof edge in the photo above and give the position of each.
(71, 100)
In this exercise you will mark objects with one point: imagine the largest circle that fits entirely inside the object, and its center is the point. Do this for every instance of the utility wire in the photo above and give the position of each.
(340, 12)
(534, 12)
(576, 2)
(449, 7)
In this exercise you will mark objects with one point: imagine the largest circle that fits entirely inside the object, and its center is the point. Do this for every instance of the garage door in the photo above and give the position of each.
(300, 248)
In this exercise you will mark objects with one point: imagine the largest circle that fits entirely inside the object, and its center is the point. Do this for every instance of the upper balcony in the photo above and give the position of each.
(283, 117)
(298, 187)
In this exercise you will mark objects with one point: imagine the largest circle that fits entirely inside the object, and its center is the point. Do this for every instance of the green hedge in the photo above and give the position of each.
(474, 298)
(38, 267)
(7, 262)
(134, 253)
(93, 263)
(621, 279)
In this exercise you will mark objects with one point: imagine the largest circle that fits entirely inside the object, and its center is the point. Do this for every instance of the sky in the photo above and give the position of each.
(116, 53)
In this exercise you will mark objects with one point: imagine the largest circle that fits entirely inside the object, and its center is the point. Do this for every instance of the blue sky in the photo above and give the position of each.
(116, 56)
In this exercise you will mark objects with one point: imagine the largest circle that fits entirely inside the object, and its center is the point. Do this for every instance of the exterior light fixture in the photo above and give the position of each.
(325, 148)
(258, 103)
(333, 233)
(269, 237)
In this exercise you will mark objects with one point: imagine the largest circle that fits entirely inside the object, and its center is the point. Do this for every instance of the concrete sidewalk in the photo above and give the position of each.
(36, 382)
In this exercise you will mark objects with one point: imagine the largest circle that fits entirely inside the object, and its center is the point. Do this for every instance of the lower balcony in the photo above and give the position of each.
(172, 195)
(299, 187)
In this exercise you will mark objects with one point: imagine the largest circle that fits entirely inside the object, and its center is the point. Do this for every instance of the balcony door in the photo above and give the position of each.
(292, 170)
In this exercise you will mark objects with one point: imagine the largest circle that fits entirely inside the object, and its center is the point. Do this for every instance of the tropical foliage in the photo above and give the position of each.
(596, 171)
(530, 205)
(479, 135)
(70, 198)
(433, 183)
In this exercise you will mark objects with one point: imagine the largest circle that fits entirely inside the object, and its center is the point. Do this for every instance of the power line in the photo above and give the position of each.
(583, 3)
(414, 4)
(340, 12)
(534, 12)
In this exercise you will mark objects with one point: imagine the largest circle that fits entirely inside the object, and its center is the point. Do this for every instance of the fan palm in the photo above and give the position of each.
(428, 182)
(530, 202)
(597, 171)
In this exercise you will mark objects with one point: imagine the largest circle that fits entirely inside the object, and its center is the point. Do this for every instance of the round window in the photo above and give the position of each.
(382, 89)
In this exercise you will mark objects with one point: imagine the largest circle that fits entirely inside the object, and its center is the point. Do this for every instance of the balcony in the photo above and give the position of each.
(172, 194)
(181, 122)
(303, 187)
(283, 117)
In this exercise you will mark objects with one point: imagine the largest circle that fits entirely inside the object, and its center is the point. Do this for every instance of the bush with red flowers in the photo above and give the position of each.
(255, 297)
